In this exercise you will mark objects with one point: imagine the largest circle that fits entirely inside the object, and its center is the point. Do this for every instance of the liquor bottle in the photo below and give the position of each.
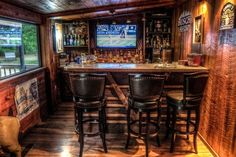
(76, 40)
(81, 40)
(168, 41)
(165, 27)
(158, 26)
(79, 43)
(86, 40)
(147, 42)
(140, 56)
(68, 40)
(65, 40)
(71, 40)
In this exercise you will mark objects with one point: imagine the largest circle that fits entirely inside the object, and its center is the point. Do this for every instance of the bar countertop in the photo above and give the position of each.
(125, 67)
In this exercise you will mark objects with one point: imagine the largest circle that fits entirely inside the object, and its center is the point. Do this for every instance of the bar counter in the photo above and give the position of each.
(117, 75)
(125, 67)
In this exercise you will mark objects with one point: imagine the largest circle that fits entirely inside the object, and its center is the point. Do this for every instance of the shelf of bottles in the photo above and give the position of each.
(158, 32)
(75, 35)
(118, 55)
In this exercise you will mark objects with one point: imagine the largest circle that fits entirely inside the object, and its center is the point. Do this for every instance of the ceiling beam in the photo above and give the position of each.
(119, 12)
(144, 4)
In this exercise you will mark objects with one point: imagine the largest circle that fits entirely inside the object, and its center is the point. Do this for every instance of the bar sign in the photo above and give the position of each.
(227, 19)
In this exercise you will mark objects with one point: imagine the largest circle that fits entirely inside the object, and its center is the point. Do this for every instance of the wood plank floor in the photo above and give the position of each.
(56, 138)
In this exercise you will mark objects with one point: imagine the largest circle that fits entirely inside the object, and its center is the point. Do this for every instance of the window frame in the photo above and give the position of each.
(38, 42)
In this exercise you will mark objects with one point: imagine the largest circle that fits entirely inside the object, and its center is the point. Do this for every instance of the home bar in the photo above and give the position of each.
(118, 78)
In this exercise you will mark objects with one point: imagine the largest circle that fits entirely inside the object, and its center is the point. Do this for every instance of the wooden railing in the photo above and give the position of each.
(8, 70)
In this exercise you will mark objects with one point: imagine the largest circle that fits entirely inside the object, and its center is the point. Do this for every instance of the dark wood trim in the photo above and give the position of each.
(117, 89)
(20, 76)
(8, 10)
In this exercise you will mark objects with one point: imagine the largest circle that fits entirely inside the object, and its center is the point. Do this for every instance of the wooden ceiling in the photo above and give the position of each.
(64, 8)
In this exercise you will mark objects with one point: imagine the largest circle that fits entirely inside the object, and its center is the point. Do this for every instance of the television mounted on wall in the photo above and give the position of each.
(116, 36)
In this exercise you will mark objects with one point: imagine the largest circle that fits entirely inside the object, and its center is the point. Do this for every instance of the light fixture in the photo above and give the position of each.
(113, 22)
(128, 21)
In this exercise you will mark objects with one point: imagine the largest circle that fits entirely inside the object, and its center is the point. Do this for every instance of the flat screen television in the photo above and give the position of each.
(116, 36)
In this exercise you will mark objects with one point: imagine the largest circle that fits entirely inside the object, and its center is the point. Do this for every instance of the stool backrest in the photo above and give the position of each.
(86, 86)
(194, 85)
(146, 86)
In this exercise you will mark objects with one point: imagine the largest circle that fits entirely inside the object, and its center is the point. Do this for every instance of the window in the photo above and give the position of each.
(19, 47)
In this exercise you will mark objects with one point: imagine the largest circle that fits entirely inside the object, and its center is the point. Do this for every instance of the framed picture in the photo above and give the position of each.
(227, 19)
(57, 38)
(198, 29)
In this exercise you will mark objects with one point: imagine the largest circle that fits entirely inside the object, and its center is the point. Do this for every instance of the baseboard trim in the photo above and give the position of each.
(208, 146)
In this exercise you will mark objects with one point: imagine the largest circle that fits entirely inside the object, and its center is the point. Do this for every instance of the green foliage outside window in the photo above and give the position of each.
(29, 35)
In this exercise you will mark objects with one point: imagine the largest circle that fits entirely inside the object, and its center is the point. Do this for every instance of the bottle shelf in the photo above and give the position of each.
(158, 33)
(71, 46)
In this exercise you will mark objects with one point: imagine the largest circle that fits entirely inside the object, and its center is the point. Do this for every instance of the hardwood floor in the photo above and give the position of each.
(56, 138)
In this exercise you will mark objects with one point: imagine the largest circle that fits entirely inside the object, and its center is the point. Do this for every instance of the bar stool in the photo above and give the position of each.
(186, 100)
(145, 97)
(88, 96)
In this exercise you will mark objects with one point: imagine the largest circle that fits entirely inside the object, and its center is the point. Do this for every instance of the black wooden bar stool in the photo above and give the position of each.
(88, 96)
(145, 97)
(187, 100)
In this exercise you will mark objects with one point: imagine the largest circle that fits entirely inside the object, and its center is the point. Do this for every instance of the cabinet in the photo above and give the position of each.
(76, 39)
(75, 34)
(157, 33)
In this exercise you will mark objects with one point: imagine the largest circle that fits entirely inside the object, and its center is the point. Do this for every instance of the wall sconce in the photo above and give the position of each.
(128, 21)
(203, 7)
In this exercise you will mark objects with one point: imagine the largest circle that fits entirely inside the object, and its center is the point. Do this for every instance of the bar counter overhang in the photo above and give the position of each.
(132, 68)
(117, 75)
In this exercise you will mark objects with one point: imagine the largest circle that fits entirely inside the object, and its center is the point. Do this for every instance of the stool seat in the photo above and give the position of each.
(175, 98)
(141, 104)
(90, 104)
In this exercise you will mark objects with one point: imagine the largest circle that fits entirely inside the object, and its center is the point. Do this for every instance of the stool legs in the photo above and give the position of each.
(172, 117)
(140, 125)
(158, 125)
(188, 123)
(128, 128)
(102, 128)
(81, 131)
(101, 125)
(196, 129)
(174, 112)
(147, 132)
(167, 122)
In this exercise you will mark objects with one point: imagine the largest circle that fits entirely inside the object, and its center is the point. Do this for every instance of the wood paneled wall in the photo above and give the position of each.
(49, 60)
(11, 11)
(218, 114)
(7, 102)
(7, 86)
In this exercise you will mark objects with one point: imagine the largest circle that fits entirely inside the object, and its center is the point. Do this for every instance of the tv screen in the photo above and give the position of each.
(116, 36)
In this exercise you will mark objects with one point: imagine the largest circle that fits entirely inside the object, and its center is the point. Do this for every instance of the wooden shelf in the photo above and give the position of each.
(75, 46)
(155, 33)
